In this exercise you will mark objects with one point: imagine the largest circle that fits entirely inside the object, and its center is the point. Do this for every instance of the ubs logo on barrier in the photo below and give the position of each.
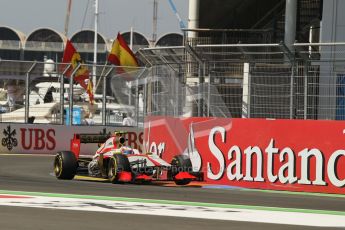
(9, 141)
(38, 139)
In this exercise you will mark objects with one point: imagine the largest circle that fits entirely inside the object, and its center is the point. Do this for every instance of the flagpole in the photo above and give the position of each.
(129, 83)
(131, 39)
(94, 79)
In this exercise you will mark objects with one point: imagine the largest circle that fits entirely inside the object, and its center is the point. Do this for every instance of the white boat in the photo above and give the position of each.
(49, 111)
(39, 92)
(42, 113)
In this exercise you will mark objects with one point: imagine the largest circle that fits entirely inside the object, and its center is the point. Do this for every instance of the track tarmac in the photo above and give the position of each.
(28, 173)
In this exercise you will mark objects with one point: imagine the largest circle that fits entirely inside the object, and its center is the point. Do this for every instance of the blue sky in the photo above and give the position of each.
(115, 15)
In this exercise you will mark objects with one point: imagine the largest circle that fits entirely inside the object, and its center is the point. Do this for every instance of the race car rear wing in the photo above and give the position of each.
(86, 138)
(92, 138)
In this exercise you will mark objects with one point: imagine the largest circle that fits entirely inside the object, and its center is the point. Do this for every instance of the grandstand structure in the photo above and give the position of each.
(266, 59)
(46, 42)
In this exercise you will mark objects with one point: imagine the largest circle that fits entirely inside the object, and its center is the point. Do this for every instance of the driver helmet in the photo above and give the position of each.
(119, 138)
(127, 150)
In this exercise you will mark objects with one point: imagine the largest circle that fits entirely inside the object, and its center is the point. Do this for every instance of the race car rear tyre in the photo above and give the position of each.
(117, 163)
(180, 163)
(65, 165)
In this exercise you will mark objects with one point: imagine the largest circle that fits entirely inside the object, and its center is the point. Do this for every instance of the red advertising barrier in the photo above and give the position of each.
(50, 139)
(294, 155)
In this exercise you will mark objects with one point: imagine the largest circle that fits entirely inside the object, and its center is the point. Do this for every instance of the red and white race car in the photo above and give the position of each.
(119, 163)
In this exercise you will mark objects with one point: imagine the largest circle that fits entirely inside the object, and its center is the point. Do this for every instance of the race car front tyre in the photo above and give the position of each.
(65, 165)
(117, 163)
(180, 163)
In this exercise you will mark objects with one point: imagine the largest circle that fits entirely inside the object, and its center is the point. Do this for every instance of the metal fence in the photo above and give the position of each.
(305, 81)
(41, 92)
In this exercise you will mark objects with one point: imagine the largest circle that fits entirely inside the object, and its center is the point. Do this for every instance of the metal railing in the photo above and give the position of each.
(44, 46)
(89, 47)
(10, 44)
(49, 93)
(306, 81)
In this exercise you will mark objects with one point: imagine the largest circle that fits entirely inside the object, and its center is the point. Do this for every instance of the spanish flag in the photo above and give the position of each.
(121, 54)
(71, 56)
(89, 91)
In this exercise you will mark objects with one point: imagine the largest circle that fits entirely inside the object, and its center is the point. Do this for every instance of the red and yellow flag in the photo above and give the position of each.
(121, 54)
(71, 56)
(89, 91)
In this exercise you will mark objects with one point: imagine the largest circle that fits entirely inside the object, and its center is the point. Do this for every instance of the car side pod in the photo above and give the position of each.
(184, 175)
(124, 176)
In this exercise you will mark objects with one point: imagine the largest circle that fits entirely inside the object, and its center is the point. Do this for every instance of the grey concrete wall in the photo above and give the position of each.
(332, 31)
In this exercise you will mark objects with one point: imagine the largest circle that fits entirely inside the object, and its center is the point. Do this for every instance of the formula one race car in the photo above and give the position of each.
(119, 164)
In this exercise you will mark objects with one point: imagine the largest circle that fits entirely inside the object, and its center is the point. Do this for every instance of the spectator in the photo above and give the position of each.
(11, 89)
(89, 121)
(48, 98)
(88, 118)
(14, 92)
(128, 120)
(31, 119)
